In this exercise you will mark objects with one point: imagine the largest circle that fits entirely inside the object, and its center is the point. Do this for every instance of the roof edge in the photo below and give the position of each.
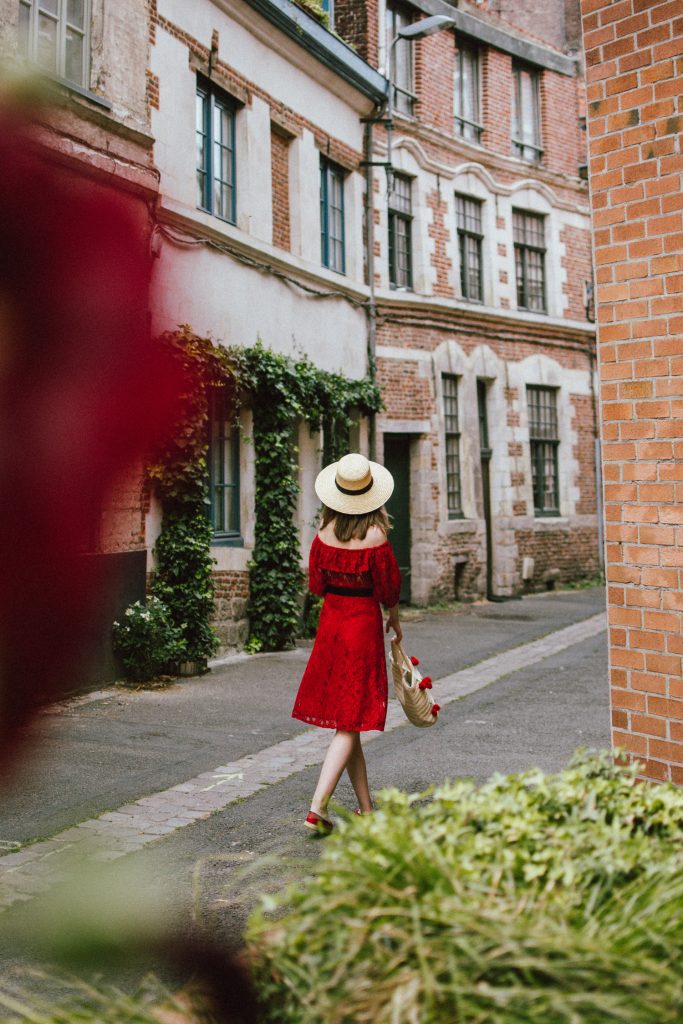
(324, 45)
(525, 49)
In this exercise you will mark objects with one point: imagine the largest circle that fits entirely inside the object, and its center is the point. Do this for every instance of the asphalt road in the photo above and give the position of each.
(90, 757)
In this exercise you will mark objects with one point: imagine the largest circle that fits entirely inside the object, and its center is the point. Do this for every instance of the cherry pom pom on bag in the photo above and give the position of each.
(412, 690)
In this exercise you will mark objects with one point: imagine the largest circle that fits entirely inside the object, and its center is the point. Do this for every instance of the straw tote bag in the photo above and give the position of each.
(412, 690)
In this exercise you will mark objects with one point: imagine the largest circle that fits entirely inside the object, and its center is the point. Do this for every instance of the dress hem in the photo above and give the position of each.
(330, 724)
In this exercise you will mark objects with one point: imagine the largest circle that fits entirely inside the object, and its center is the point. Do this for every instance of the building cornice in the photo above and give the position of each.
(324, 45)
(484, 163)
(425, 310)
(450, 315)
(501, 38)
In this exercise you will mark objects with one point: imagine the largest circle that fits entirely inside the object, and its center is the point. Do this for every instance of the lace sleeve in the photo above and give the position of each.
(316, 582)
(386, 578)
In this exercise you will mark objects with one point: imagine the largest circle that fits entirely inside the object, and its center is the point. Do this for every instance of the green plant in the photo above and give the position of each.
(312, 608)
(184, 581)
(70, 999)
(281, 391)
(147, 641)
(532, 899)
(285, 391)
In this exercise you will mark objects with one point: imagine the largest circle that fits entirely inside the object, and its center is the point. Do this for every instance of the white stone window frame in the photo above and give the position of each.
(59, 16)
(528, 198)
(405, 164)
(543, 371)
(236, 558)
(471, 186)
(449, 358)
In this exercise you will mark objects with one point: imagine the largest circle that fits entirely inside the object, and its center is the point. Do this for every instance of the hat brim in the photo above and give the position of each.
(354, 504)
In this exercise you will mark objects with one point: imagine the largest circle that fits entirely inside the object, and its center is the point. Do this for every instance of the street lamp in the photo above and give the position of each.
(418, 30)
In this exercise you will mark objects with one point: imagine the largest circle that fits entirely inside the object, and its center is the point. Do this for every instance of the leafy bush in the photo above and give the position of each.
(532, 899)
(147, 641)
(184, 581)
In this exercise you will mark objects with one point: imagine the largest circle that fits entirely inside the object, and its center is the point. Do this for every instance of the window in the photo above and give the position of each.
(526, 122)
(223, 459)
(54, 34)
(466, 105)
(332, 216)
(528, 230)
(400, 224)
(468, 218)
(543, 443)
(328, 7)
(400, 60)
(452, 434)
(215, 134)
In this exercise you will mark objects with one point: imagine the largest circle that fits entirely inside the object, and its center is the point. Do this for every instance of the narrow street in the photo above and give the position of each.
(196, 780)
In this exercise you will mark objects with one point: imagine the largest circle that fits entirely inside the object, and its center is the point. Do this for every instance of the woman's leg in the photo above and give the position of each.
(358, 774)
(336, 760)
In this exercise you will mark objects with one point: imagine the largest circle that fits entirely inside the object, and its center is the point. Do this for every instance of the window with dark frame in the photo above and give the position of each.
(55, 35)
(467, 113)
(400, 59)
(215, 142)
(449, 383)
(468, 220)
(526, 113)
(528, 232)
(224, 472)
(332, 216)
(400, 232)
(544, 441)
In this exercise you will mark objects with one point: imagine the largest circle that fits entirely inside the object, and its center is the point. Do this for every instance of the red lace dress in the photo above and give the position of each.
(345, 682)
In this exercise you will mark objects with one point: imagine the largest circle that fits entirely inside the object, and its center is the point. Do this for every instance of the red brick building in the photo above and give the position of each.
(482, 282)
(97, 128)
(634, 61)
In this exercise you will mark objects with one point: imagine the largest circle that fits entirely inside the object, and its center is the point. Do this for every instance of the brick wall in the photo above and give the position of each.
(578, 266)
(434, 68)
(356, 21)
(279, 154)
(634, 66)
(230, 614)
(440, 235)
(497, 101)
(559, 123)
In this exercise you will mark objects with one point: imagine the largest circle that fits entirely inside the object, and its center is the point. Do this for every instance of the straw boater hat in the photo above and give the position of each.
(354, 485)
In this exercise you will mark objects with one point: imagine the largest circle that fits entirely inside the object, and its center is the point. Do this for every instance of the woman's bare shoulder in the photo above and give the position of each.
(374, 537)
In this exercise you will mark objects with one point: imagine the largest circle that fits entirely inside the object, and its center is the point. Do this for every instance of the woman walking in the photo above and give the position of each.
(353, 566)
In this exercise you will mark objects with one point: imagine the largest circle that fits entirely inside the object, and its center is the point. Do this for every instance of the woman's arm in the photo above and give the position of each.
(393, 623)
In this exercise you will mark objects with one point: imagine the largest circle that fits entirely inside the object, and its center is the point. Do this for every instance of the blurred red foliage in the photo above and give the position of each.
(84, 392)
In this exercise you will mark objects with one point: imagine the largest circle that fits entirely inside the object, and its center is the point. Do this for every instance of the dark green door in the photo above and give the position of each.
(397, 461)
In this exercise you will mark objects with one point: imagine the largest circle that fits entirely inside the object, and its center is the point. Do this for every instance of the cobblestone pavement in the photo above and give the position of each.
(35, 868)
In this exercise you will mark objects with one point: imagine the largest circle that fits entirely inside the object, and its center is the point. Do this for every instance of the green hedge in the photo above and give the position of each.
(532, 899)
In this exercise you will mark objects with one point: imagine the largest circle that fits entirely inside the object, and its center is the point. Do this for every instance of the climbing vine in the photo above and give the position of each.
(281, 391)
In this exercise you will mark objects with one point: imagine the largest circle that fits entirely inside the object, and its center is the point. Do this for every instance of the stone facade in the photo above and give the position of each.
(298, 95)
(634, 68)
(257, 274)
(430, 328)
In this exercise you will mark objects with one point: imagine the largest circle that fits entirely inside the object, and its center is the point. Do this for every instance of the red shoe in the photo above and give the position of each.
(318, 824)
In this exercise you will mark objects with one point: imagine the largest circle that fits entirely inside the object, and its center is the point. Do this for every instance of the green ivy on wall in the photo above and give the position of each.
(280, 391)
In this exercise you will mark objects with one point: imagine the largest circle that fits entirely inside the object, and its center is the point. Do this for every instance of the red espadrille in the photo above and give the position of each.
(318, 824)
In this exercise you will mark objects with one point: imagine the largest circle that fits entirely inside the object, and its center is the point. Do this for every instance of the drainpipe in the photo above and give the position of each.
(598, 459)
(371, 309)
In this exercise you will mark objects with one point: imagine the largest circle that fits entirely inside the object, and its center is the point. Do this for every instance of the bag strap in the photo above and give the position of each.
(397, 648)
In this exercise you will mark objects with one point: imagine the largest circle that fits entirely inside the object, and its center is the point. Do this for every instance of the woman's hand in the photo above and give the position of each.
(393, 623)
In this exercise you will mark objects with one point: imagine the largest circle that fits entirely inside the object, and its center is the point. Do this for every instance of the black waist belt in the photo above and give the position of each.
(350, 591)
